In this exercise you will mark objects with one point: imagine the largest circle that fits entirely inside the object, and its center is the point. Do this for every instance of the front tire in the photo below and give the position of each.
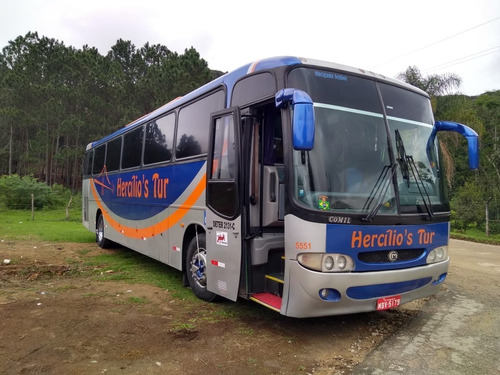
(196, 268)
(102, 241)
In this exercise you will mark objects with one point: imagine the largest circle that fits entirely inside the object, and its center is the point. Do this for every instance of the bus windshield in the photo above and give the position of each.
(359, 122)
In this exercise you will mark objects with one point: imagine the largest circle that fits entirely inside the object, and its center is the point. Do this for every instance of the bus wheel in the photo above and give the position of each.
(196, 268)
(102, 241)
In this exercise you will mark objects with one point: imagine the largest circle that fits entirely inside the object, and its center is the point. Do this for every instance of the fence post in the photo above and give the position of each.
(488, 216)
(67, 208)
(32, 207)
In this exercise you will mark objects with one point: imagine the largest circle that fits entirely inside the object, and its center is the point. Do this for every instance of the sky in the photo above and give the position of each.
(384, 36)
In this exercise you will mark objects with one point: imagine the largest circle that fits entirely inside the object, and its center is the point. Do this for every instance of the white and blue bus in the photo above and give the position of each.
(310, 187)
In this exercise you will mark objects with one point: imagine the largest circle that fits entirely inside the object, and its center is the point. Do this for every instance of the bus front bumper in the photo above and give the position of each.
(356, 292)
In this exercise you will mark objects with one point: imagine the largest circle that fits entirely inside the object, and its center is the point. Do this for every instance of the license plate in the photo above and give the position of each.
(388, 302)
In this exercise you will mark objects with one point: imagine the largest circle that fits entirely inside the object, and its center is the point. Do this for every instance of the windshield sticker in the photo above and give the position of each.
(323, 202)
(329, 75)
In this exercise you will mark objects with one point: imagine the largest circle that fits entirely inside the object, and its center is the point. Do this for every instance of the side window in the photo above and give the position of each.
(87, 163)
(224, 158)
(132, 148)
(159, 140)
(253, 88)
(192, 129)
(99, 154)
(113, 154)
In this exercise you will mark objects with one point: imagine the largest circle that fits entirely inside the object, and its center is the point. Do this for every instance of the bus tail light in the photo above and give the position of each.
(438, 254)
(326, 262)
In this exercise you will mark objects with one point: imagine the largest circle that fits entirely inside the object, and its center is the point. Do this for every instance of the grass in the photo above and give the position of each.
(47, 226)
(476, 235)
(127, 265)
(137, 300)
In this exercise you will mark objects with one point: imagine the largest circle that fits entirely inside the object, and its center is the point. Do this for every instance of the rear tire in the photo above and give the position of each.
(101, 240)
(196, 268)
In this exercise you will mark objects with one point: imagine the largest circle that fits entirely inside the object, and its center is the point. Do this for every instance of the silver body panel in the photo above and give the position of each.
(301, 286)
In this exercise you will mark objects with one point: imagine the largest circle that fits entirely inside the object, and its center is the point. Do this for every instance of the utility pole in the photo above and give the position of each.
(10, 150)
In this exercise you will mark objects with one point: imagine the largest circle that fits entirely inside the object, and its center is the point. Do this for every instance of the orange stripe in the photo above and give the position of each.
(252, 67)
(160, 227)
(101, 184)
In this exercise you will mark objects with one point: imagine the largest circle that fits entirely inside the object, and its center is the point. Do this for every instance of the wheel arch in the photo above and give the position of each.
(97, 214)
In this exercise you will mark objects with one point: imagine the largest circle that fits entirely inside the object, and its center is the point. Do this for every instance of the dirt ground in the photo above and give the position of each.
(58, 319)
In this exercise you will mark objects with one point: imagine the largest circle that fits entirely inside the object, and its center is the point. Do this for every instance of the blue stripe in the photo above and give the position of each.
(139, 195)
(383, 290)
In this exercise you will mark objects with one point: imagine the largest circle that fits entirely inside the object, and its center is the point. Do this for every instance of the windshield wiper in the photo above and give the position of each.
(379, 190)
(407, 164)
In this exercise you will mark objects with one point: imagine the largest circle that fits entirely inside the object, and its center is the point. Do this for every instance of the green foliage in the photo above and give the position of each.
(476, 235)
(471, 189)
(434, 84)
(468, 205)
(56, 99)
(59, 196)
(16, 192)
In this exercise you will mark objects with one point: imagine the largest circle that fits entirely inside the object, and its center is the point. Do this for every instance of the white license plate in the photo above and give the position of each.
(388, 302)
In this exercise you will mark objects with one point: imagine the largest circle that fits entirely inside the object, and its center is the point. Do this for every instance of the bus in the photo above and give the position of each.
(309, 187)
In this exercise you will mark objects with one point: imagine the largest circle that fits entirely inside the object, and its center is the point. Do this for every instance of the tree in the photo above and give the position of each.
(468, 205)
(483, 114)
(56, 99)
(434, 84)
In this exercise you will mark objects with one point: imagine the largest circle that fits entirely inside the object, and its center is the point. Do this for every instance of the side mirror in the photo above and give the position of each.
(468, 133)
(303, 117)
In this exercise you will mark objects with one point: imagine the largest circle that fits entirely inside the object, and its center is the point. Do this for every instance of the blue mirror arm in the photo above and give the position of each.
(464, 130)
(430, 145)
(291, 96)
(283, 97)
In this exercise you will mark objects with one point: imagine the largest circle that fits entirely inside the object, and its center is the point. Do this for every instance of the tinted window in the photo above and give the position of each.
(159, 140)
(253, 88)
(224, 157)
(87, 163)
(406, 104)
(336, 88)
(99, 154)
(132, 148)
(113, 154)
(192, 130)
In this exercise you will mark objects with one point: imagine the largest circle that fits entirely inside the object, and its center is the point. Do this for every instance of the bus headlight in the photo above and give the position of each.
(438, 254)
(326, 262)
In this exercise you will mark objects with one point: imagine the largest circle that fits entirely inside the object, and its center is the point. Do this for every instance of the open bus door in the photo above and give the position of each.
(223, 214)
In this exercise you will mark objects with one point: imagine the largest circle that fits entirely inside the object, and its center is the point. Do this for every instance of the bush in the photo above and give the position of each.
(59, 196)
(494, 227)
(15, 193)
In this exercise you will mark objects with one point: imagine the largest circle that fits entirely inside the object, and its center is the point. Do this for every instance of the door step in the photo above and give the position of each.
(268, 300)
(276, 277)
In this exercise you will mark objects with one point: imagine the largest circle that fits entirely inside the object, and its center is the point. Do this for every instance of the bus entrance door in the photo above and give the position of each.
(223, 215)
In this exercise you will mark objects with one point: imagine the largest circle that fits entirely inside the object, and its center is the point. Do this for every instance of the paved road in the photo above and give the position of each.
(458, 332)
